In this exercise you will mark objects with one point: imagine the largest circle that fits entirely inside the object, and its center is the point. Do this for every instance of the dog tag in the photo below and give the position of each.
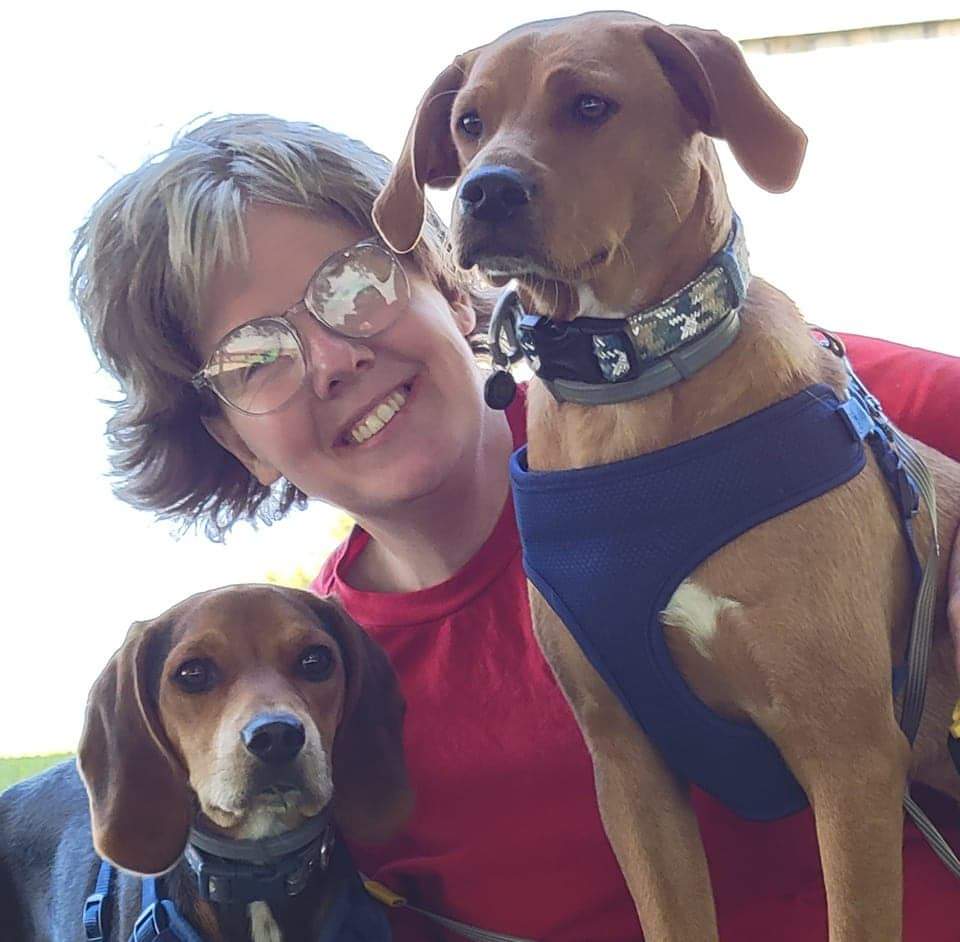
(499, 389)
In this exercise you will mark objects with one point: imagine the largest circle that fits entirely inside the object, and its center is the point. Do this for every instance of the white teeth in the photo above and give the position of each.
(378, 417)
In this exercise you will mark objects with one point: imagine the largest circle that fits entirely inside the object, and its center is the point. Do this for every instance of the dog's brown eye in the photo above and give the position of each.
(593, 109)
(470, 124)
(195, 676)
(316, 663)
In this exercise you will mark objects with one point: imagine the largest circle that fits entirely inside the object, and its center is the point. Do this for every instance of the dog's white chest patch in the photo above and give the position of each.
(696, 611)
(590, 305)
(263, 927)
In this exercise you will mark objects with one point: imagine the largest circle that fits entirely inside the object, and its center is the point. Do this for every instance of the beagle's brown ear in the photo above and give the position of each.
(714, 83)
(429, 158)
(140, 803)
(371, 795)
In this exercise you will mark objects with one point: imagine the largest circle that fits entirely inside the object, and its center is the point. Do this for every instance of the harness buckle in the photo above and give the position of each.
(151, 925)
(93, 917)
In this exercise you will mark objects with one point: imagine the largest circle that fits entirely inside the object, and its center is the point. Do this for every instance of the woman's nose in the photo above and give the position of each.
(332, 359)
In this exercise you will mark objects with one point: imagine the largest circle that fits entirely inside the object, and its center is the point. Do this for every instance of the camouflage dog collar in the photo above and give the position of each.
(599, 360)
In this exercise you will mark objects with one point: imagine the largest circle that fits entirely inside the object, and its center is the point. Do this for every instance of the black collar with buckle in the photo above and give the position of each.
(601, 360)
(270, 869)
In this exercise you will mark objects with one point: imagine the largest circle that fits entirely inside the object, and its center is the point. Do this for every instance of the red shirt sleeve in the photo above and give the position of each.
(919, 389)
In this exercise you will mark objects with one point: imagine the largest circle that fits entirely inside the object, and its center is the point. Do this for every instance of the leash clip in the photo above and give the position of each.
(500, 387)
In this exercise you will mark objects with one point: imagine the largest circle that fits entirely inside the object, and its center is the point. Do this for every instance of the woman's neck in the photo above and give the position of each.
(425, 541)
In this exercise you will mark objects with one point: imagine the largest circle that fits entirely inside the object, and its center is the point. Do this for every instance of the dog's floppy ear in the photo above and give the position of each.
(371, 794)
(140, 804)
(428, 158)
(715, 84)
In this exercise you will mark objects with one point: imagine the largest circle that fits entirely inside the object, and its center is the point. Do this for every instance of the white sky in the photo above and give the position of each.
(866, 242)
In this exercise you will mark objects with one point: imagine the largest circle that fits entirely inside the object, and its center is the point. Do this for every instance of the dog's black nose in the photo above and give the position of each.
(274, 738)
(494, 194)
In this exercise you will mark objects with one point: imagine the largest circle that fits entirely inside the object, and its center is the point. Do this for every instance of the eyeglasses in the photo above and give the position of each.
(260, 366)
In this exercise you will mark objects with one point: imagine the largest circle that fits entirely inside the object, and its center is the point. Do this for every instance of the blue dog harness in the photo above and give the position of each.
(353, 916)
(640, 526)
(159, 919)
(757, 468)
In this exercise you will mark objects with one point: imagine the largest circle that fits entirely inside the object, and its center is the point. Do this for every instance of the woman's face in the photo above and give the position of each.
(422, 356)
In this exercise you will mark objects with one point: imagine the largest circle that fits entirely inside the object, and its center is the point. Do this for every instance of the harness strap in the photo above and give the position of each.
(921, 630)
(159, 919)
(392, 900)
(934, 838)
(918, 650)
(96, 907)
(910, 481)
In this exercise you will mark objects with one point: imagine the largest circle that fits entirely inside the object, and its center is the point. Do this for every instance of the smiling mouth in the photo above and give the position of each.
(377, 419)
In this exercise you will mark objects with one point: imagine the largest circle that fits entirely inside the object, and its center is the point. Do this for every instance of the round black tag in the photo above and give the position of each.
(499, 389)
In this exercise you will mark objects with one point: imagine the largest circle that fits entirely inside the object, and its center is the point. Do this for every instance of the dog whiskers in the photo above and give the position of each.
(628, 256)
(673, 205)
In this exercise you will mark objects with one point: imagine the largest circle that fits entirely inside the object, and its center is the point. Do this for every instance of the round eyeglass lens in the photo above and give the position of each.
(258, 367)
(358, 293)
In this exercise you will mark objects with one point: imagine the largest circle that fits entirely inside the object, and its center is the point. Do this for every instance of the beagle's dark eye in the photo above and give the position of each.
(195, 676)
(592, 109)
(316, 663)
(470, 124)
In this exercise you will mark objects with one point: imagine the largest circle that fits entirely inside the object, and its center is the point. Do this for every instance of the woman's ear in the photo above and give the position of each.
(464, 315)
(460, 302)
(222, 431)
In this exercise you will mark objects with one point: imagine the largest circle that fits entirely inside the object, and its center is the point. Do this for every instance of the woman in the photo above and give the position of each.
(380, 412)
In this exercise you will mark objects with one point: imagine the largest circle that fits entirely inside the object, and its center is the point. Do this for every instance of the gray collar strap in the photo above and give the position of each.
(601, 360)
(246, 871)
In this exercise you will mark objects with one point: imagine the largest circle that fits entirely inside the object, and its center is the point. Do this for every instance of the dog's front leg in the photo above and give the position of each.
(855, 783)
(645, 809)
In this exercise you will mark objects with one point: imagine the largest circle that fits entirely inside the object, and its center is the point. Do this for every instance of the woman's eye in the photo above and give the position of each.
(592, 109)
(470, 124)
(316, 663)
(254, 362)
(195, 676)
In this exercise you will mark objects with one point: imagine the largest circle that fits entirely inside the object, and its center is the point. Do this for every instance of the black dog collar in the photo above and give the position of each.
(599, 360)
(269, 869)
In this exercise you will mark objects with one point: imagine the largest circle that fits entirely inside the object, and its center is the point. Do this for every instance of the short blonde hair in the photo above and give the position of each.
(140, 266)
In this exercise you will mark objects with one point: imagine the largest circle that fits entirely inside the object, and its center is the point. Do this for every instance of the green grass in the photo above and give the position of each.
(15, 770)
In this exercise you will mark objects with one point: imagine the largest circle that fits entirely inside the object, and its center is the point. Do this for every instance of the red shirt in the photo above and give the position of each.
(506, 834)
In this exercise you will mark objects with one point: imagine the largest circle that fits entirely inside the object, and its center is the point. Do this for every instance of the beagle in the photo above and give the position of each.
(225, 745)
(719, 576)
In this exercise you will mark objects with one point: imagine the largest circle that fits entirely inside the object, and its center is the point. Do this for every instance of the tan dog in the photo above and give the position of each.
(245, 712)
(589, 139)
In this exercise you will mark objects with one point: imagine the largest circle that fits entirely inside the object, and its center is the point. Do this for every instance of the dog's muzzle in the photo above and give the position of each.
(495, 224)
